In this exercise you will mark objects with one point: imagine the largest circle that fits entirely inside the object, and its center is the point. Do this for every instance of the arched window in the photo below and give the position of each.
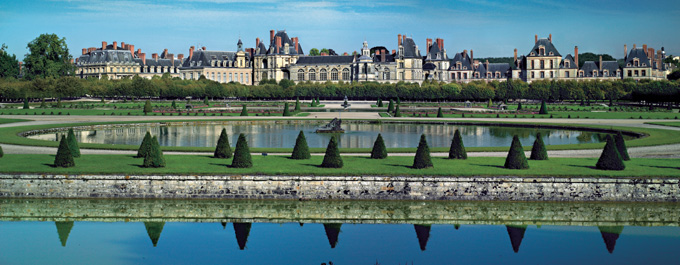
(334, 74)
(580, 73)
(312, 75)
(566, 64)
(345, 74)
(301, 75)
(498, 74)
(323, 75)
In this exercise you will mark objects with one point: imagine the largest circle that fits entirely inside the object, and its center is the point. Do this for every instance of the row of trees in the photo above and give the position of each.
(171, 88)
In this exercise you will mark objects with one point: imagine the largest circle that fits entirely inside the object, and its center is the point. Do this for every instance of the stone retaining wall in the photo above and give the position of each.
(340, 188)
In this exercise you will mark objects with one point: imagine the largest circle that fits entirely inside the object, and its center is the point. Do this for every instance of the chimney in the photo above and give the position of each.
(486, 65)
(132, 49)
(394, 51)
(271, 36)
(143, 57)
(550, 37)
(165, 53)
(278, 43)
(398, 39)
(84, 51)
(139, 51)
(651, 53)
(382, 56)
(515, 55)
(440, 42)
(191, 52)
(600, 62)
(180, 57)
(576, 56)
(154, 56)
(257, 42)
(103, 45)
(625, 51)
(296, 45)
(644, 47)
(203, 48)
(472, 55)
(115, 45)
(171, 57)
(535, 39)
(634, 46)
(377, 52)
(122, 45)
(345, 54)
(429, 45)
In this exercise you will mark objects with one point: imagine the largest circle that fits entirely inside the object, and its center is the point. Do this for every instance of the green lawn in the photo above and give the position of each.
(3, 121)
(353, 166)
(671, 124)
(563, 115)
(385, 114)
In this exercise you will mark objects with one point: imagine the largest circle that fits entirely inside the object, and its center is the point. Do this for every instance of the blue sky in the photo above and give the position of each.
(489, 27)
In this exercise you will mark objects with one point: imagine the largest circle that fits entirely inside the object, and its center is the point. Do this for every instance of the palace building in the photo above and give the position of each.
(116, 62)
(218, 66)
(273, 62)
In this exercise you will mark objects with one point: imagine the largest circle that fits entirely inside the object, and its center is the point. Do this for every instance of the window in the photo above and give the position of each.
(386, 74)
(566, 64)
(230, 77)
(566, 74)
(465, 76)
(241, 77)
(334, 74)
(345, 74)
(542, 74)
(247, 78)
(532, 64)
(637, 73)
(551, 74)
(498, 75)
(551, 64)
(458, 75)
(301, 75)
(605, 73)
(644, 73)
(323, 75)
(312, 75)
(532, 75)
(542, 64)
(580, 73)
(630, 73)
(213, 76)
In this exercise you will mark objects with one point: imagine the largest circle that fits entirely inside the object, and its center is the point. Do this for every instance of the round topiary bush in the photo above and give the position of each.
(422, 158)
(145, 147)
(538, 151)
(301, 150)
(610, 158)
(516, 158)
(242, 157)
(332, 158)
(64, 158)
(621, 146)
(379, 150)
(223, 148)
(457, 150)
(73, 143)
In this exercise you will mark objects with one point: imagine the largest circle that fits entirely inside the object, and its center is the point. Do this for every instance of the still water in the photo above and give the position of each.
(358, 135)
(314, 232)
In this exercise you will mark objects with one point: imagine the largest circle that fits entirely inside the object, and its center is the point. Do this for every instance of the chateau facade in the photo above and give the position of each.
(284, 58)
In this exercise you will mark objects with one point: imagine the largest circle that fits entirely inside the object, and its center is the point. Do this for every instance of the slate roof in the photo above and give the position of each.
(463, 58)
(436, 54)
(202, 58)
(307, 60)
(637, 53)
(410, 50)
(549, 47)
(590, 66)
(104, 56)
(389, 58)
(429, 66)
(572, 62)
(503, 68)
(284, 39)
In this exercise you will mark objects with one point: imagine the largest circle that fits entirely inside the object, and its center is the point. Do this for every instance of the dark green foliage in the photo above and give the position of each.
(439, 113)
(301, 150)
(390, 106)
(145, 147)
(422, 158)
(147, 107)
(155, 156)
(174, 104)
(297, 104)
(42, 104)
(519, 106)
(423, 234)
(223, 149)
(332, 233)
(64, 157)
(206, 101)
(380, 103)
(621, 146)
(516, 233)
(490, 104)
(538, 151)
(59, 103)
(457, 150)
(154, 229)
(26, 104)
(610, 158)
(516, 158)
(73, 143)
(332, 158)
(244, 111)
(1, 152)
(610, 234)
(242, 157)
(398, 101)
(397, 112)
(379, 150)
(286, 112)
(544, 109)
(242, 230)
(63, 230)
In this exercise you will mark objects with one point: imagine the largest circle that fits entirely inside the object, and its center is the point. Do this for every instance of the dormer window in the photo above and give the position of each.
(594, 73)
(566, 64)
(532, 54)
(541, 50)
(636, 62)
(580, 73)
(551, 54)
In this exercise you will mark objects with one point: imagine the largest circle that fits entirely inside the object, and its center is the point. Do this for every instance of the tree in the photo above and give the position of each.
(42, 104)
(297, 104)
(332, 158)
(26, 106)
(73, 143)
(379, 150)
(64, 157)
(145, 147)
(621, 146)
(223, 149)
(59, 103)
(206, 101)
(516, 158)
(457, 150)
(242, 157)
(174, 104)
(390, 106)
(155, 156)
(48, 56)
(610, 158)
(397, 113)
(301, 150)
(422, 158)
(324, 51)
(314, 52)
(538, 151)
(440, 114)
(9, 65)
(244, 111)
(544, 109)
(147, 107)
(490, 104)
(286, 112)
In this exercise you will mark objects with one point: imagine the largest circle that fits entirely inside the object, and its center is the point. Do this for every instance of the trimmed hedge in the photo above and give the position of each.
(379, 150)
(332, 158)
(145, 147)
(390, 106)
(439, 113)
(301, 150)
(610, 159)
(286, 111)
(155, 156)
(223, 148)
(457, 150)
(516, 158)
(242, 157)
(1, 152)
(244, 111)
(538, 151)
(544, 109)
(422, 158)
(64, 158)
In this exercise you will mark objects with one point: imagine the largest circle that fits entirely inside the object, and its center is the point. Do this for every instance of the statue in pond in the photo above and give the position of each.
(331, 127)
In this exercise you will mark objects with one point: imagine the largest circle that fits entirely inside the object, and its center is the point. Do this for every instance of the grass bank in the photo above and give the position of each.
(3, 121)
(671, 124)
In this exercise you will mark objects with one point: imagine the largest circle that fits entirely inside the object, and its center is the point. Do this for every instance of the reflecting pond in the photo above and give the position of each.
(37, 231)
(358, 135)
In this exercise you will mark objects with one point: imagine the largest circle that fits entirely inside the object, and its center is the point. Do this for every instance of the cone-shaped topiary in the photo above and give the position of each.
(223, 149)
(206, 101)
(63, 230)
(398, 101)
(621, 146)
(26, 106)
(244, 111)
(538, 151)
(154, 230)
(390, 106)
(59, 103)
(379, 150)
(1, 152)
(422, 158)
(332, 158)
(301, 150)
(42, 104)
(73, 143)
(286, 112)
(610, 158)
(397, 112)
(64, 157)
(457, 150)
(242, 157)
(380, 103)
(440, 114)
(147, 107)
(544, 109)
(297, 104)
(516, 158)
(155, 156)
(490, 104)
(145, 147)
(174, 104)
(519, 106)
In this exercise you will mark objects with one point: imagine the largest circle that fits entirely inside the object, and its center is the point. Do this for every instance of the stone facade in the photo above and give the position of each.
(116, 62)
(218, 66)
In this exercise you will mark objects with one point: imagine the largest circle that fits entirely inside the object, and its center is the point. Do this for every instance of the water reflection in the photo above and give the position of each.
(358, 135)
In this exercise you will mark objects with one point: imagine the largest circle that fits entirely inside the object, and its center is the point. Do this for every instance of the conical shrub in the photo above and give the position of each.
(380, 103)
(538, 151)
(457, 150)
(145, 147)
(390, 106)
(610, 158)
(244, 111)
(64, 157)
(147, 107)
(223, 148)
(206, 101)
(42, 104)
(621, 146)
(332, 158)
(379, 150)
(397, 112)
(544, 109)
(26, 106)
(155, 156)
(422, 158)
(1, 152)
(73, 143)
(301, 150)
(297, 104)
(519, 106)
(242, 157)
(174, 104)
(440, 114)
(516, 158)
(286, 112)
(490, 104)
